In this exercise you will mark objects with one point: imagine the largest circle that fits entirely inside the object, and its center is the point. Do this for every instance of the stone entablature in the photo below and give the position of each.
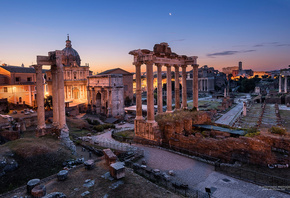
(161, 56)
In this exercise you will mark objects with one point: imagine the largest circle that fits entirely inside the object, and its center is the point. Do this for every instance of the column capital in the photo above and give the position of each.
(195, 65)
(183, 66)
(38, 68)
(137, 64)
(158, 65)
(167, 65)
(176, 66)
(149, 62)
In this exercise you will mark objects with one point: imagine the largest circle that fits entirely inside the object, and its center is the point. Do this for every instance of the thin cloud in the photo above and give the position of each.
(276, 44)
(228, 53)
(178, 40)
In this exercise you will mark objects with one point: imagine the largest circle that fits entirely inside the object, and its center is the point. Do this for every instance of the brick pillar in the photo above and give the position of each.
(169, 89)
(195, 85)
(138, 93)
(184, 94)
(40, 99)
(177, 96)
(159, 88)
(55, 96)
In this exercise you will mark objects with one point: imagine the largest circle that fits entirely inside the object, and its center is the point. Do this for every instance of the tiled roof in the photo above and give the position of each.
(17, 69)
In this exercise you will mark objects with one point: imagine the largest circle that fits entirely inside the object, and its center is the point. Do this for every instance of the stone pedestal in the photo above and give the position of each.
(117, 170)
(62, 175)
(285, 84)
(31, 184)
(38, 191)
(89, 164)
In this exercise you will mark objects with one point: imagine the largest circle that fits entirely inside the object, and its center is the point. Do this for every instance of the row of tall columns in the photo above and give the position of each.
(59, 120)
(203, 84)
(150, 89)
(285, 84)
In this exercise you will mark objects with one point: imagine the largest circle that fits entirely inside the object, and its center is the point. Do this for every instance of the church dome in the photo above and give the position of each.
(70, 55)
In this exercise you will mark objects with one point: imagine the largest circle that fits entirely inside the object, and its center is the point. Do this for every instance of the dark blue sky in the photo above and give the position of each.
(219, 32)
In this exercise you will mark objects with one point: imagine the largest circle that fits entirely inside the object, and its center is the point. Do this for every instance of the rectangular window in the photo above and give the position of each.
(5, 89)
(29, 79)
(17, 79)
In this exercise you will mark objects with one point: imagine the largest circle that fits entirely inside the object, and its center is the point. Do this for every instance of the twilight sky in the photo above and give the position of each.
(220, 32)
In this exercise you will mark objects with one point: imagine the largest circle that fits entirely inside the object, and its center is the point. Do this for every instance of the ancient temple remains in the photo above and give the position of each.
(161, 56)
(285, 74)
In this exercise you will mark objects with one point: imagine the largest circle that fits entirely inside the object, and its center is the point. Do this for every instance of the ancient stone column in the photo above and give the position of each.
(280, 84)
(150, 92)
(138, 93)
(285, 84)
(169, 89)
(177, 96)
(195, 85)
(159, 88)
(61, 101)
(244, 109)
(55, 96)
(184, 94)
(40, 98)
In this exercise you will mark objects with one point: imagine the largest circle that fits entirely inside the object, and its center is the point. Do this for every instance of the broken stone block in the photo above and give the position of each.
(31, 184)
(117, 170)
(62, 175)
(38, 191)
(85, 193)
(109, 156)
(89, 164)
(55, 195)
(171, 172)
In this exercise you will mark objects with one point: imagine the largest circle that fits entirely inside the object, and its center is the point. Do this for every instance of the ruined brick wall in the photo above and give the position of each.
(10, 135)
(256, 150)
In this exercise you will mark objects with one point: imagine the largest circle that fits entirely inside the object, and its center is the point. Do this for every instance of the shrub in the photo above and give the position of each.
(277, 130)
(98, 128)
(92, 122)
(252, 132)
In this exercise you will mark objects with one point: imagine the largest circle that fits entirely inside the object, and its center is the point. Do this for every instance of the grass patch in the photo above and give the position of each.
(36, 157)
